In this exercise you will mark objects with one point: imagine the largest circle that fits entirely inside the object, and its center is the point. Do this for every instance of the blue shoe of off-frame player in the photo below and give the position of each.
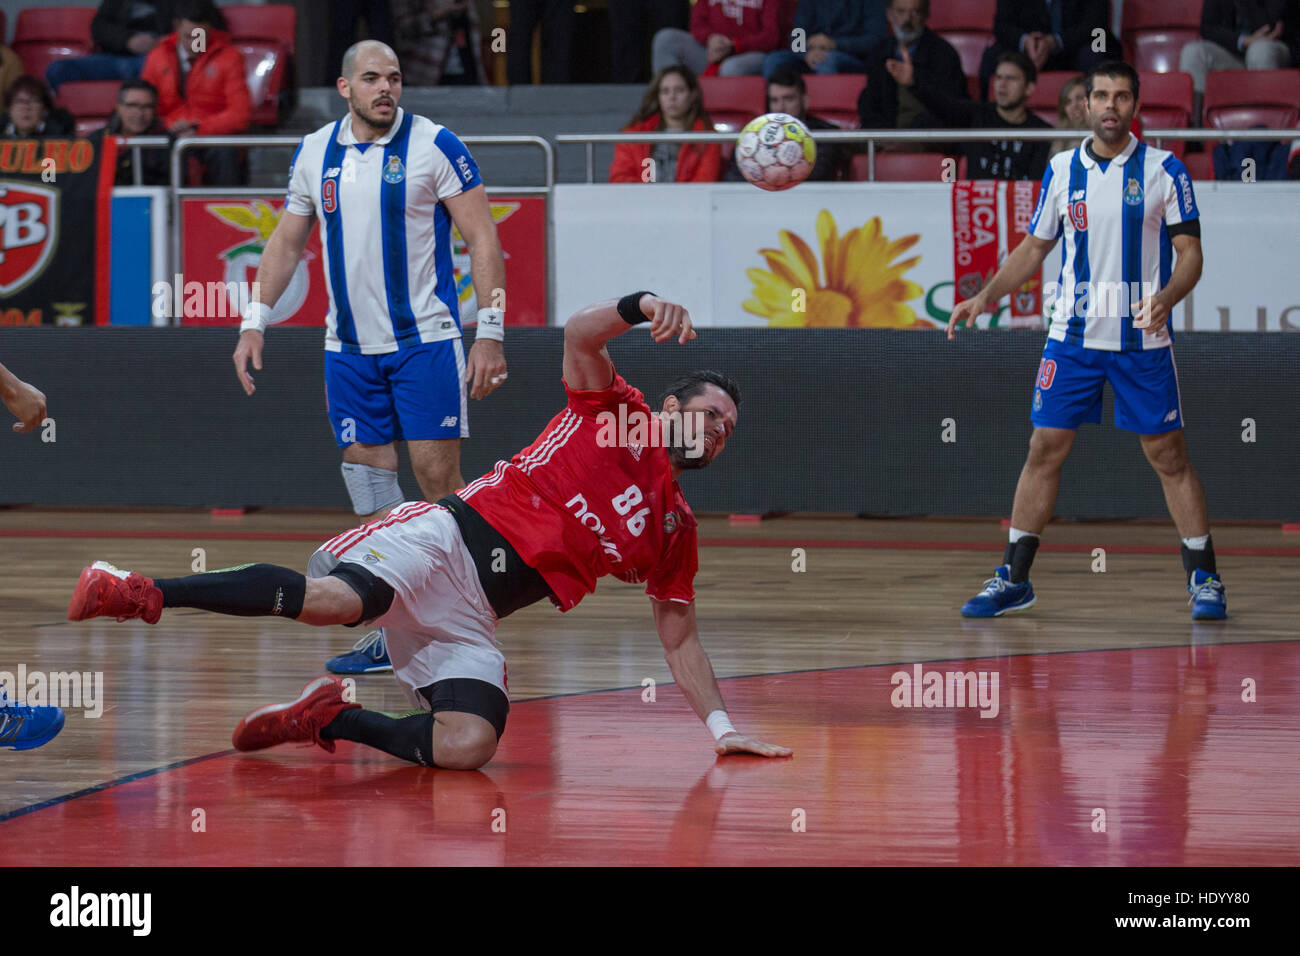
(368, 656)
(1208, 600)
(999, 596)
(25, 728)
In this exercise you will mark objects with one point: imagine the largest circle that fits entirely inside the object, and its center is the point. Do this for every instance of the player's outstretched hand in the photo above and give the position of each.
(965, 312)
(667, 320)
(486, 368)
(734, 743)
(249, 347)
(27, 402)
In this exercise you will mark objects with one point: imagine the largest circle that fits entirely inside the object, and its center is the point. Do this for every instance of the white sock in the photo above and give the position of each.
(1197, 544)
(1016, 534)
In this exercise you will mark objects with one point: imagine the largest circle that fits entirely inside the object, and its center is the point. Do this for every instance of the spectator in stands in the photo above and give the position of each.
(631, 24)
(559, 23)
(1071, 113)
(887, 104)
(787, 93)
(1013, 82)
(438, 42)
(345, 17)
(1054, 34)
(831, 36)
(726, 38)
(672, 101)
(1241, 35)
(124, 31)
(136, 114)
(30, 112)
(10, 68)
(201, 87)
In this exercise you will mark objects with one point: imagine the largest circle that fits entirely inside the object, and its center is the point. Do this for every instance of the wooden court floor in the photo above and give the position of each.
(1120, 732)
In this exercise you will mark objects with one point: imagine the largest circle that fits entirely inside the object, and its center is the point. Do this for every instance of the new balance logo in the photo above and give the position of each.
(449, 421)
(1076, 195)
(1172, 415)
(331, 172)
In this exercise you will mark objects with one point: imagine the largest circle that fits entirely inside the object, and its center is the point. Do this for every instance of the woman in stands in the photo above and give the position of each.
(30, 112)
(672, 101)
(1071, 113)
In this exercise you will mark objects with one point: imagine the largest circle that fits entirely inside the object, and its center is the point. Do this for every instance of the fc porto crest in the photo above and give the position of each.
(1038, 399)
(1133, 192)
(670, 522)
(394, 172)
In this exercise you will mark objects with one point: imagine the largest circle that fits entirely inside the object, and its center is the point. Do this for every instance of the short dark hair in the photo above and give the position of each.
(787, 77)
(1114, 69)
(196, 11)
(137, 84)
(925, 7)
(33, 86)
(1020, 62)
(692, 384)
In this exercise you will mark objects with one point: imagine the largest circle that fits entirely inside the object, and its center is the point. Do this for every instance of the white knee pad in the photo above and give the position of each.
(372, 489)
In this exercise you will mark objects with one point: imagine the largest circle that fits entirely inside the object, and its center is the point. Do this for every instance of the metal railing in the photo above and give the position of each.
(871, 137)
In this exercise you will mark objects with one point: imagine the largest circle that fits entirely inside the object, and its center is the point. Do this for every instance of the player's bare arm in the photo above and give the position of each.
(280, 257)
(694, 674)
(472, 214)
(1023, 263)
(587, 365)
(27, 402)
(1153, 312)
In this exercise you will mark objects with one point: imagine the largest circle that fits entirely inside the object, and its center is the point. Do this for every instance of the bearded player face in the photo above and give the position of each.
(699, 427)
(372, 84)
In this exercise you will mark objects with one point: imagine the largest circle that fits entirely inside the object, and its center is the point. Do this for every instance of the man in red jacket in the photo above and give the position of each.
(201, 87)
(727, 37)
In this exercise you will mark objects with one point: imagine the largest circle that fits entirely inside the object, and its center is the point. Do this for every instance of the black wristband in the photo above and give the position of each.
(629, 308)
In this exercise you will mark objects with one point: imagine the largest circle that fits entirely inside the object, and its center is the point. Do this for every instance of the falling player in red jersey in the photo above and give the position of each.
(584, 500)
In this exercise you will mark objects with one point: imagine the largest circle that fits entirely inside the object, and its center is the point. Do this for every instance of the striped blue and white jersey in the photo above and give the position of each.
(1115, 216)
(385, 234)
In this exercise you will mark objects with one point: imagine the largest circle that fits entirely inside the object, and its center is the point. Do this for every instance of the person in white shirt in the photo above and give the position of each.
(387, 186)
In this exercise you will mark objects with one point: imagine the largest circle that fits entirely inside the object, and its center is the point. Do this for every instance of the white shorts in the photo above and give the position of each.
(440, 624)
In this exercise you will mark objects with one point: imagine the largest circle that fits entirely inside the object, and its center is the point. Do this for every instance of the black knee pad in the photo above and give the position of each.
(376, 594)
(466, 695)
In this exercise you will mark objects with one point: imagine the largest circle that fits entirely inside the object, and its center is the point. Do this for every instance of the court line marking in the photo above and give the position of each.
(140, 775)
(877, 544)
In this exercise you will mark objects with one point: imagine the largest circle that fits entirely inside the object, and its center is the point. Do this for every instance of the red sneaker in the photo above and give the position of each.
(105, 591)
(318, 704)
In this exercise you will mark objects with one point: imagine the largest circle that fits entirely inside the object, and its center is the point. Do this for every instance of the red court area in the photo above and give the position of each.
(1124, 757)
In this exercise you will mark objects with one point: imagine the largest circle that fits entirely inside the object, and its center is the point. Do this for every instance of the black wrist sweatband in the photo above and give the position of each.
(629, 308)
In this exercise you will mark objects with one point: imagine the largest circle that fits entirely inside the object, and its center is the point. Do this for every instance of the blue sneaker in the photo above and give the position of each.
(26, 728)
(999, 596)
(1208, 600)
(368, 656)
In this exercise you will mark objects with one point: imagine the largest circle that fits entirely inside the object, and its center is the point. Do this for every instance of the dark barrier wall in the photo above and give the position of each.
(832, 420)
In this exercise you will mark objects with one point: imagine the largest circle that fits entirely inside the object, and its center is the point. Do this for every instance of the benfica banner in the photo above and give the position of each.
(989, 219)
(224, 238)
(55, 202)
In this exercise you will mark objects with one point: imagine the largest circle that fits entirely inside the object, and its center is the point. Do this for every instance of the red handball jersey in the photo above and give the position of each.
(577, 506)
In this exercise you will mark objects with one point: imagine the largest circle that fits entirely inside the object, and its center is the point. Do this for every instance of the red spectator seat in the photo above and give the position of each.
(1166, 103)
(45, 34)
(902, 167)
(1200, 166)
(834, 97)
(1155, 32)
(968, 26)
(265, 36)
(1240, 99)
(732, 101)
(1042, 102)
(91, 103)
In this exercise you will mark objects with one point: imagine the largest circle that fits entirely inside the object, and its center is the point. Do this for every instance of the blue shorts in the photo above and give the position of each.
(1070, 379)
(413, 394)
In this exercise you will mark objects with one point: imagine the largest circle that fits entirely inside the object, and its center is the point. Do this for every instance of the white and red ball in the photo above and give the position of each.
(775, 151)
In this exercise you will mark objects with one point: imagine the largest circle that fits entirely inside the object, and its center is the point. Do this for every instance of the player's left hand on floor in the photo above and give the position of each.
(739, 744)
(486, 368)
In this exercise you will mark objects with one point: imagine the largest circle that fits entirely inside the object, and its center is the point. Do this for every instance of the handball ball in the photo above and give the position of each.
(775, 151)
